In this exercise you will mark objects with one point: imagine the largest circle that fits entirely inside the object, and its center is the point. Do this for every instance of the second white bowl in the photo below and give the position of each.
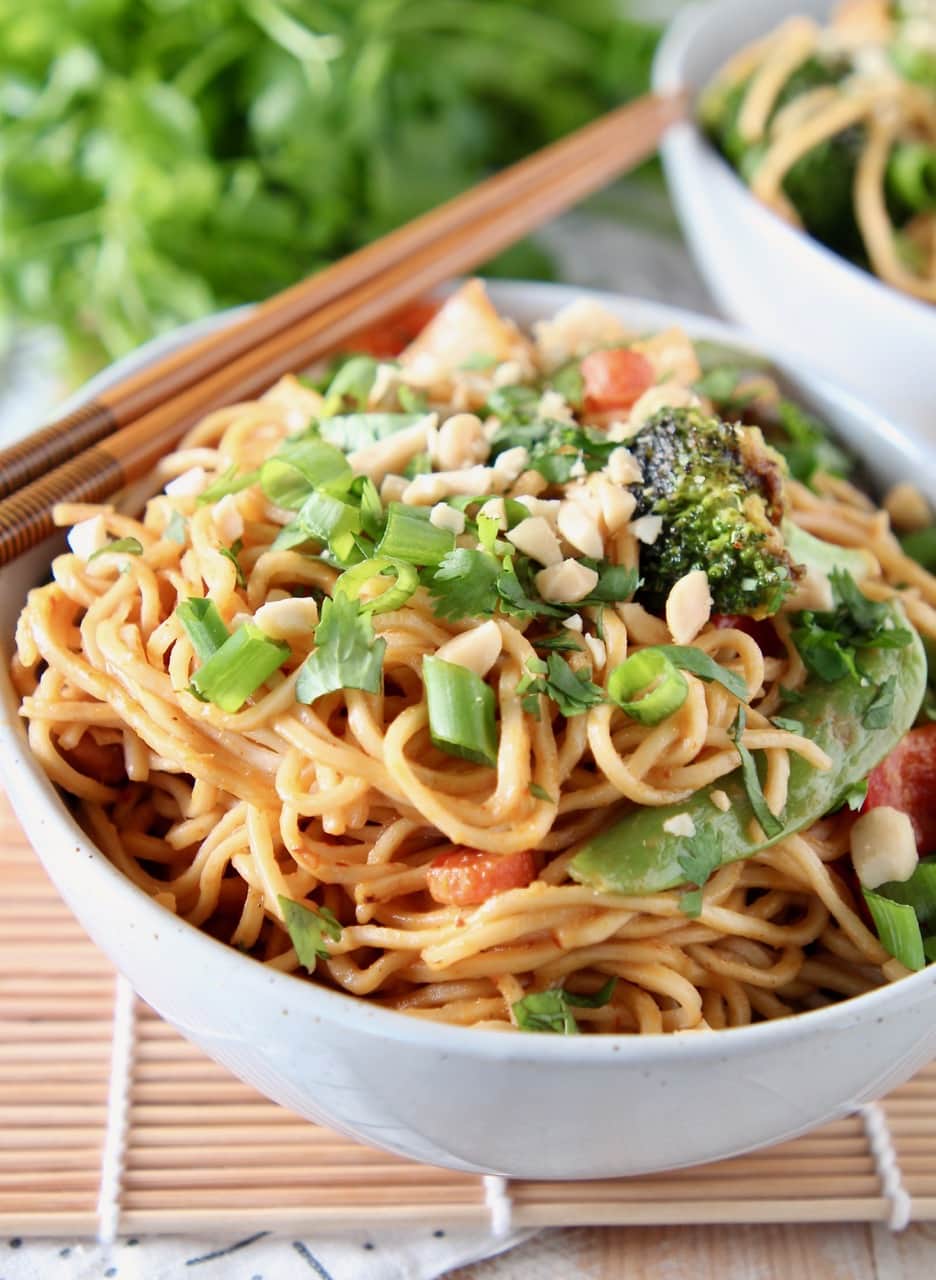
(781, 284)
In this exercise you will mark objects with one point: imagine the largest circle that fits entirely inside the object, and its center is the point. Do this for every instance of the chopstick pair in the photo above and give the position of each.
(122, 434)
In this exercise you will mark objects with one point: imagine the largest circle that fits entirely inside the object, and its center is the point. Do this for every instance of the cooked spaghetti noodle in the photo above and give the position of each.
(835, 130)
(446, 882)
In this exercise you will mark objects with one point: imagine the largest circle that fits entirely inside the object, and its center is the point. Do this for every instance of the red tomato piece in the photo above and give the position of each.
(391, 335)
(615, 379)
(758, 629)
(466, 877)
(906, 780)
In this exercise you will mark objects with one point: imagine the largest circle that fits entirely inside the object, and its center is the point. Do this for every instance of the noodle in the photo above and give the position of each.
(876, 102)
(345, 803)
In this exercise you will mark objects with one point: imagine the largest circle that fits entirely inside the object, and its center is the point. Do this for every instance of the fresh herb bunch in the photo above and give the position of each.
(165, 158)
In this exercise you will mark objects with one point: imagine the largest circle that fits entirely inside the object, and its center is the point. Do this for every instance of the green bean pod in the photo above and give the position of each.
(637, 856)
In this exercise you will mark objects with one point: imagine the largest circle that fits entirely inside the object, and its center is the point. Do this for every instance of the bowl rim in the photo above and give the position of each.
(686, 141)
(36, 796)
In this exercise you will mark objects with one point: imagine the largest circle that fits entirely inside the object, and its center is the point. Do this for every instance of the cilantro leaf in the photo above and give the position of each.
(463, 584)
(129, 546)
(688, 658)
(790, 726)
(307, 929)
(517, 593)
(231, 553)
(701, 857)
(347, 654)
(539, 793)
(560, 642)
(855, 796)
(572, 691)
(752, 785)
(878, 712)
(829, 642)
(229, 481)
(175, 529)
(616, 582)
(549, 1010)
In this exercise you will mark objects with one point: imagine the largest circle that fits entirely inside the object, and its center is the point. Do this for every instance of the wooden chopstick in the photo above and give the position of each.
(139, 393)
(512, 206)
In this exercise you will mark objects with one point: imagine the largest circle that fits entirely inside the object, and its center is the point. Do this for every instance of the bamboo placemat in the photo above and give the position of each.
(202, 1152)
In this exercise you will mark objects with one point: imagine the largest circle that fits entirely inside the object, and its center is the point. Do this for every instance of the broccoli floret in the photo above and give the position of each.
(719, 491)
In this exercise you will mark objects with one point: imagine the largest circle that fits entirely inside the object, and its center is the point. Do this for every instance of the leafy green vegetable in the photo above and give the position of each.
(308, 928)
(765, 816)
(830, 642)
(231, 553)
(238, 668)
(921, 546)
(463, 584)
(175, 529)
(855, 796)
(129, 546)
(701, 858)
(539, 793)
(700, 664)
(550, 1010)
(190, 154)
(203, 625)
(877, 713)
(230, 481)
(789, 726)
(572, 691)
(898, 929)
(347, 654)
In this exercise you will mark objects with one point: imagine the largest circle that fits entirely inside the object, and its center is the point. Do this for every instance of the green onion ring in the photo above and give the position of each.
(648, 687)
(407, 580)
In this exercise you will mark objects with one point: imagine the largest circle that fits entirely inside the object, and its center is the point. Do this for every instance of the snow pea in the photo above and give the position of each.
(637, 856)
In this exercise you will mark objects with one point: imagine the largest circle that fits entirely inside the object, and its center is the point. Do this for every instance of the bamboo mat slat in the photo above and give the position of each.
(205, 1153)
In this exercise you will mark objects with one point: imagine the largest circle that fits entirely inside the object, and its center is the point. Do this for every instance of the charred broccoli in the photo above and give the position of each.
(719, 491)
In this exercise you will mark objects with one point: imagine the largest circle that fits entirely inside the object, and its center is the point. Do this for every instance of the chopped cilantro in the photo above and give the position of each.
(538, 793)
(701, 857)
(308, 928)
(175, 529)
(347, 654)
(228, 482)
(752, 785)
(231, 553)
(463, 584)
(572, 691)
(789, 726)
(550, 1011)
(878, 712)
(129, 546)
(855, 796)
(829, 642)
(560, 642)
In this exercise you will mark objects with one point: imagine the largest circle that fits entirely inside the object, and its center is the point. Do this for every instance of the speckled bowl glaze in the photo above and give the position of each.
(530, 1106)
(779, 283)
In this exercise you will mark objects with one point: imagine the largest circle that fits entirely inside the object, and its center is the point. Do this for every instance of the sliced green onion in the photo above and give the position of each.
(291, 535)
(410, 536)
(229, 482)
(308, 928)
(911, 175)
(461, 711)
(298, 467)
(129, 546)
(647, 686)
(351, 431)
(688, 658)
(752, 784)
(239, 668)
(353, 381)
(929, 949)
(898, 929)
(918, 892)
(203, 625)
(331, 521)
(407, 580)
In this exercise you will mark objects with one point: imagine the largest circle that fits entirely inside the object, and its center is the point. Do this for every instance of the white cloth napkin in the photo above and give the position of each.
(401, 1254)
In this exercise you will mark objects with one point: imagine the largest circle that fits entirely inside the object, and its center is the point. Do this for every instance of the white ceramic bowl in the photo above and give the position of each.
(779, 283)
(533, 1106)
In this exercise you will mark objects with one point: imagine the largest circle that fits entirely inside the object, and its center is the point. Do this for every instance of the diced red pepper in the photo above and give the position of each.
(615, 379)
(466, 877)
(906, 780)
